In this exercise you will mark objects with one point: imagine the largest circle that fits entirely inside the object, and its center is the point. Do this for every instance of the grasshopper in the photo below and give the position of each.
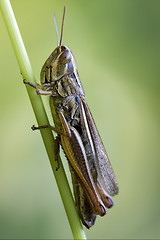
(92, 175)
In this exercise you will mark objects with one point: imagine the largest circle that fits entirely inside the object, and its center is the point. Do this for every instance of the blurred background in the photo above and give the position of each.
(116, 45)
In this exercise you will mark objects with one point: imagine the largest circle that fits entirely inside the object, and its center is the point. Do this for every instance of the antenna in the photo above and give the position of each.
(56, 28)
(62, 26)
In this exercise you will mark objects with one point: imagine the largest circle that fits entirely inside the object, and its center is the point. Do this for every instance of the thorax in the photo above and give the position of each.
(66, 96)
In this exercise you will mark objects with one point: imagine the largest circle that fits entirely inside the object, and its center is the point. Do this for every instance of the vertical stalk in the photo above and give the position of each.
(41, 116)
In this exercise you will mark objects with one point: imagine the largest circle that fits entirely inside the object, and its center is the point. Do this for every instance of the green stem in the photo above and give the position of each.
(41, 117)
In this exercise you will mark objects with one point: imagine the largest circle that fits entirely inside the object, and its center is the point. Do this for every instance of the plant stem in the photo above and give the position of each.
(42, 119)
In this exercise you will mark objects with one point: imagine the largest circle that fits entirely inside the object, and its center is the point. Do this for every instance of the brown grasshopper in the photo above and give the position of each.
(92, 175)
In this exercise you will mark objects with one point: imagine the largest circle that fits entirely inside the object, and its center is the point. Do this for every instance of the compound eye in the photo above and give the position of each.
(65, 57)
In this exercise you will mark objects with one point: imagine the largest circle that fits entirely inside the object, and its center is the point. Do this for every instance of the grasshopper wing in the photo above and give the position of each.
(105, 171)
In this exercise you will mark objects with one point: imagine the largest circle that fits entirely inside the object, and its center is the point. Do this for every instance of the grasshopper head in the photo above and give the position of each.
(60, 63)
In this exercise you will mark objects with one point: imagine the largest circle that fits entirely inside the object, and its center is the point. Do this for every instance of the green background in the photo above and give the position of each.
(116, 45)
